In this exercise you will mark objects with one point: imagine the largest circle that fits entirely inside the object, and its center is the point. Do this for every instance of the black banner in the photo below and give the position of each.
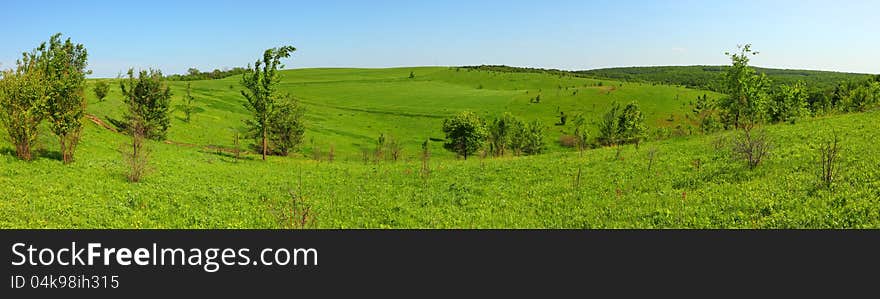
(334, 263)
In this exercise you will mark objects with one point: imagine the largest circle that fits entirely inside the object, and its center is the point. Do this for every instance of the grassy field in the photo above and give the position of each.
(691, 184)
(349, 108)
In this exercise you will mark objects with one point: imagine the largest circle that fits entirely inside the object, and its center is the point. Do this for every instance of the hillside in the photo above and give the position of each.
(689, 184)
(707, 77)
(349, 108)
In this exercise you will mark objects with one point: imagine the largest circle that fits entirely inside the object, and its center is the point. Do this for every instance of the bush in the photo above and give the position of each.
(829, 156)
(752, 147)
(22, 94)
(148, 99)
(534, 138)
(286, 128)
(465, 133)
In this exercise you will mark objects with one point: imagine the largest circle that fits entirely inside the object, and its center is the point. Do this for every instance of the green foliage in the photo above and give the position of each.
(188, 107)
(789, 103)
(465, 133)
(533, 138)
(500, 133)
(148, 99)
(631, 124)
(22, 103)
(63, 65)
(747, 92)
(286, 127)
(260, 83)
(580, 131)
(609, 126)
(101, 90)
(193, 74)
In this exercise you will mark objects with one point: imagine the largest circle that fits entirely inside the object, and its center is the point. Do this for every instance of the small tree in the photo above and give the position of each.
(499, 134)
(260, 92)
(395, 149)
(789, 103)
(148, 99)
(752, 147)
(286, 128)
(188, 107)
(580, 132)
(63, 65)
(22, 98)
(101, 90)
(631, 124)
(412, 75)
(609, 126)
(534, 142)
(465, 133)
(747, 92)
(136, 153)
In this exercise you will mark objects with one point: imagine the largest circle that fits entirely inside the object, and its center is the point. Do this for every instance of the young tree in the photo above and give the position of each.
(148, 99)
(188, 106)
(499, 134)
(580, 132)
(465, 133)
(631, 124)
(609, 126)
(286, 128)
(261, 94)
(101, 90)
(63, 65)
(22, 99)
(534, 142)
(746, 101)
(789, 103)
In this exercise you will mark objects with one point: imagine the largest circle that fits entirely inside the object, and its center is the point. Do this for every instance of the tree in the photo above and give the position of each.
(260, 92)
(500, 132)
(534, 138)
(631, 124)
(745, 104)
(101, 90)
(609, 126)
(22, 100)
(789, 103)
(63, 66)
(148, 99)
(188, 106)
(412, 75)
(580, 132)
(465, 133)
(286, 128)
(193, 72)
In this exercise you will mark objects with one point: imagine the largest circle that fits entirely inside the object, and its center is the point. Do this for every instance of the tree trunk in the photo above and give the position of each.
(264, 143)
(64, 157)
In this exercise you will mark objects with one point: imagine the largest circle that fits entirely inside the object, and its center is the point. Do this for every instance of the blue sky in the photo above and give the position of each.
(176, 35)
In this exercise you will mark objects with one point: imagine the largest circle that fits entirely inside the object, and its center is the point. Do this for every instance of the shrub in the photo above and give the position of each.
(148, 99)
(465, 133)
(21, 98)
(829, 156)
(752, 147)
(136, 154)
(286, 128)
(101, 90)
(534, 138)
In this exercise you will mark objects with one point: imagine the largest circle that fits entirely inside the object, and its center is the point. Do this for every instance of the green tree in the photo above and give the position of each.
(63, 65)
(580, 131)
(188, 106)
(22, 100)
(747, 92)
(500, 133)
(631, 124)
(534, 138)
(148, 99)
(789, 103)
(101, 90)
(465, 133)
(286, 128)
(261, 93)
(609, 126)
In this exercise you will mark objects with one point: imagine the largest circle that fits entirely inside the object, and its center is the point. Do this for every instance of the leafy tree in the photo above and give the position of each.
(261, 94)
(63, 65)
(148, 99)
(534, 138)
(747, 92)
(789, 103)
(609, 126)
(580, 131)
(412, 75)
(631, 124)
(193, 71)
(286, 128)
(22, 100)
(500, 133)
(101, 90)
(465, 133)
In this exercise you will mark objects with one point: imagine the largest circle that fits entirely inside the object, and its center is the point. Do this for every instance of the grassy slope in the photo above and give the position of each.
(349, 108)
(192, 188)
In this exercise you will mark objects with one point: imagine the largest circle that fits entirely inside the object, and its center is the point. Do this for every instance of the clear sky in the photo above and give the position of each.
(837, 35)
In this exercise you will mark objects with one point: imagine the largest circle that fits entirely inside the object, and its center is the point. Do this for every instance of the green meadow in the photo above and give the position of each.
(674, 182)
